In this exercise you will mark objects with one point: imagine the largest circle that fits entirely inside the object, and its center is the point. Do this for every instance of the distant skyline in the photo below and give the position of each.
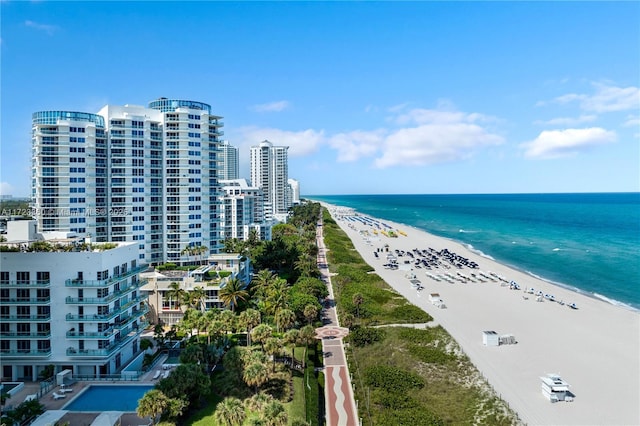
(370, 97)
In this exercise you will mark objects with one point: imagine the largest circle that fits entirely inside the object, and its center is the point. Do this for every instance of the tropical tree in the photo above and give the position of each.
(275, 414)
(258, 401)
(261, 333)
(306, 336)
(291, 338)
(175, 294)
(230, 412)
(262, 281)
(198, 296)
(229, 319)
(285, 318)
(249, 319)
(232, 293)
(153, 404)
(277, 294)
(256, 374)
(310, 313)
(272, 347)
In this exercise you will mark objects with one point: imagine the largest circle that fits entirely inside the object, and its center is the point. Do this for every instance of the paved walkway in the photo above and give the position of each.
(340, 405)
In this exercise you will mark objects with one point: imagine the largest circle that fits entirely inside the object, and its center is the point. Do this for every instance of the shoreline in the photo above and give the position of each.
(594, 347)
(469, 247)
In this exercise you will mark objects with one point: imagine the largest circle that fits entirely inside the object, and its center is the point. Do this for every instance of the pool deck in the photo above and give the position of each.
(82, 418)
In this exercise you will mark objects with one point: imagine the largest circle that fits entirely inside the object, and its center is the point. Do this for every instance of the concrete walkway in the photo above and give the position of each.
(340, 405)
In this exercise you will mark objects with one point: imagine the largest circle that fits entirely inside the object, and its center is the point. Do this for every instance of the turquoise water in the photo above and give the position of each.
(98, 398)
(587, 242)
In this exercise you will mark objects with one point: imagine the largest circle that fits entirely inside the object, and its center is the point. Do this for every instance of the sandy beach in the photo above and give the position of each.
(595, 348)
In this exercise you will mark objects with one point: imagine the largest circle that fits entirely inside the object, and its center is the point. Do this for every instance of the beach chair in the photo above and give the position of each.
(58, 395)
(31, 397)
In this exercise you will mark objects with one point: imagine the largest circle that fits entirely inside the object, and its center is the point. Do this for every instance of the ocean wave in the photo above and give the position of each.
(613, 301)
(464, 231)
(478, 252)
(556, 249)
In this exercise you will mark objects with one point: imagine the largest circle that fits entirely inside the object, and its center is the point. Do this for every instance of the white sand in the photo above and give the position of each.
(595, 348)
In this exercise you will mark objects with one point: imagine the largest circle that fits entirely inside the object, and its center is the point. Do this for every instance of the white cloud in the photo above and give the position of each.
(6, 188)
(300, 143)
(354, 145)
(272, 106)
(562, 143)
(49, 29)
(568, 121)
(632, 121)
(606, 98)
(434, 143)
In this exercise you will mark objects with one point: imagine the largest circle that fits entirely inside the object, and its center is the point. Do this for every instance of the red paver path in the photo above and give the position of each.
(340, 405)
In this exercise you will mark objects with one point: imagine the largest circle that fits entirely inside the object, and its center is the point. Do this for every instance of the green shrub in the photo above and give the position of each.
(410, 314)
(362, 336)
(392, 379)
(430, 354)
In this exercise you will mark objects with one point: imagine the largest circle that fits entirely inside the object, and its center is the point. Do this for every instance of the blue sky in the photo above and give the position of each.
(371, 97)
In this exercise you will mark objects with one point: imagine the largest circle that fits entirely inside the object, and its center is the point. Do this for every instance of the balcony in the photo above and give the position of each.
(25, 284)
(107, 299)
(106, 282)
(108, 316)
(91, 335)
(99, 353)
(26, 353)
(25, 318)
(24, 301)
(20, 335)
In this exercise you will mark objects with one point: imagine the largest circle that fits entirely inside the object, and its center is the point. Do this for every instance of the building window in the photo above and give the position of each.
(22, 277)
(24, 346)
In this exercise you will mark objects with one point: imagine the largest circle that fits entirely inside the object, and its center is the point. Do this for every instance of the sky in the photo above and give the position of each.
(370, 97)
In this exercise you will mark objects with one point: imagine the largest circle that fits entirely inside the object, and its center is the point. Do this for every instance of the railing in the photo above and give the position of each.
(91, 335)
(23, 318)
(19, 283)
(24, 301)
(105, 282)
(108, 316)
(73, 352)
(26, 353)
(107, 299)
(38, 335)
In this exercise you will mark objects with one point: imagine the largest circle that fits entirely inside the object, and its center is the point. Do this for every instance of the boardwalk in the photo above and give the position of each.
(340, 405)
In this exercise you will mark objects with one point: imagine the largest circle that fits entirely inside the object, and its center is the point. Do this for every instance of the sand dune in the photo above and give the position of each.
(595, 348)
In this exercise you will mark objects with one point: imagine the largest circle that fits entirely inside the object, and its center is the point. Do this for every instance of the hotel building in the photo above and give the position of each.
(147, 175)
(68, 304)
(269, 172)
(243, 211)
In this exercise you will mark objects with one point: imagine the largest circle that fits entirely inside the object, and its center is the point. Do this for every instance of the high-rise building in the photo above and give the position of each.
(131, 174)
(69, 305)
(293, 192)
(230, 162)
(269, 172)
(242, 211)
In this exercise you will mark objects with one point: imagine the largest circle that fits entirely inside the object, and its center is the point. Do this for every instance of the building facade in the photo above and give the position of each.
(230, 162)
(243, 211)
(269, 172)
(80, 310)
(147, 175)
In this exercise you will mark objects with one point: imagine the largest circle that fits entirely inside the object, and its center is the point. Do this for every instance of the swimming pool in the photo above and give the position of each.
(97, 398)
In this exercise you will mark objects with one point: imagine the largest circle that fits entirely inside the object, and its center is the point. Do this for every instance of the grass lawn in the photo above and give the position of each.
(296, 407)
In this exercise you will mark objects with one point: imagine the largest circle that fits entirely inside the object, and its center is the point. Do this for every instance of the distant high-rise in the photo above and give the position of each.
(230, 162)
(269, 172)
(130, 173)
(293, 191)
(242, 211)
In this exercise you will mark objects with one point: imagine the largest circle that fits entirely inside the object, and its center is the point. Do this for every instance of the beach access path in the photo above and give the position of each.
(340, 406)
(595, 348)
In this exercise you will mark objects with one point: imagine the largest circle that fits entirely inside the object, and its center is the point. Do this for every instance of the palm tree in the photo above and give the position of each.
(261, 333)
(230, 412)
(275, 414)
(175, 294)
(262, 281)
(229, 319)
(198, 295)
(285, 318)
(258, 401)
(249, 319)
(291, 337)
(255, 374)
(358, 300)
(306, 336)
(273, 346)
(310, 313)
(232, 293)
(277, 296)
(152, 405)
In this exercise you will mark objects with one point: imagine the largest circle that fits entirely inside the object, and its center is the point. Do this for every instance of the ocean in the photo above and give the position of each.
(588, 242)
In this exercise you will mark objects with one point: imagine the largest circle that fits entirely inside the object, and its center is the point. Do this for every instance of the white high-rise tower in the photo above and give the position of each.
(269, 172)
(230, 169)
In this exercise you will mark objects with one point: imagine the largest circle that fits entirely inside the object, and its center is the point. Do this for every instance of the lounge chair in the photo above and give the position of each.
(157, 375)
(31, 397)
(59, 395)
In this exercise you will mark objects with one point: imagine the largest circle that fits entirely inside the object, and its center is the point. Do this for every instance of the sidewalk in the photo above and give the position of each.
(340, 405)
